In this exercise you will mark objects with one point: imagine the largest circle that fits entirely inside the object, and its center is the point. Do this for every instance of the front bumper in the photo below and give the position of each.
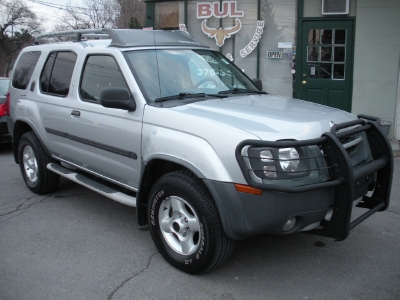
(246, 215)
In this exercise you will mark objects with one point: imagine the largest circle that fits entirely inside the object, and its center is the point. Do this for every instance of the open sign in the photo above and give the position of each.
(274, 54)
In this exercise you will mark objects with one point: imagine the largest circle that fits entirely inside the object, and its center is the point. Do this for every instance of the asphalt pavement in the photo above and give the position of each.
(76, 244)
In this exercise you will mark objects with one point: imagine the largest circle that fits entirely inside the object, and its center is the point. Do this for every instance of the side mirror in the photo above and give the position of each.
(117, 98)
(257, 82)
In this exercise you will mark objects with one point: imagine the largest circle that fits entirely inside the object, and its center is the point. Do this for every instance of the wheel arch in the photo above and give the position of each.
(21, 127)
(152, 170)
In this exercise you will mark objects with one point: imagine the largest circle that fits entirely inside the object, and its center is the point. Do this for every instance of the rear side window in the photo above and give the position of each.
(24, 69)
(57, 73)
(100, 72)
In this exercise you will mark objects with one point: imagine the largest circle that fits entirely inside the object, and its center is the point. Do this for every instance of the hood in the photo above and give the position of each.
(269, 117)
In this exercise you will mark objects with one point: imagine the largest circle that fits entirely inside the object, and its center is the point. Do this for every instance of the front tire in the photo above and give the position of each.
(185, 224)
(33, 160)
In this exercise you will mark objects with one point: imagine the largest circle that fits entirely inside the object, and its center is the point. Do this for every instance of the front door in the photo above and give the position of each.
(326, 63)
(106, 141)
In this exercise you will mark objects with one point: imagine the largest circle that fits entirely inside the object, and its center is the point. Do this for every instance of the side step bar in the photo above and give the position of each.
(93, 185)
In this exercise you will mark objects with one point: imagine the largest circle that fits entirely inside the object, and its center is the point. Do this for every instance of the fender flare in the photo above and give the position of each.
(19, 128)
(145, 186)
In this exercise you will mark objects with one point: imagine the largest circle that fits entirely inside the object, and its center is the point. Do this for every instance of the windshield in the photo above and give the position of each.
(165, 73)
(4, 86)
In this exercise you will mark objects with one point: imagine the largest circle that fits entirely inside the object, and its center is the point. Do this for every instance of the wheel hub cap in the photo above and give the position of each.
(179, 225)
(30, 164)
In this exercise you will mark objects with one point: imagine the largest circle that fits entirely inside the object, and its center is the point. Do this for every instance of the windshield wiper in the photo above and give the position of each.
(188, 95)
(217, 95)
(180, 96)
(238, 91)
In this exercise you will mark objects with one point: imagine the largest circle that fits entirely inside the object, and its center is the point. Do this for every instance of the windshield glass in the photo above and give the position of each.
(4, 86)
(164, 73)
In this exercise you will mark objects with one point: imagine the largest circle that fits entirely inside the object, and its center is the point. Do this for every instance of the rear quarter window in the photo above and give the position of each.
(24, 69)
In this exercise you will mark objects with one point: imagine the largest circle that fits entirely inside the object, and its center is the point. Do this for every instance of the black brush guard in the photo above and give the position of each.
(344, 178)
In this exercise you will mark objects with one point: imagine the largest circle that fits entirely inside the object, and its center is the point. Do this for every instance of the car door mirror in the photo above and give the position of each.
(117, 98)
(258, 83)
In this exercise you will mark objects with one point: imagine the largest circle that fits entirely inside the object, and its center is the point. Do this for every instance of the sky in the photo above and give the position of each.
(50, 9)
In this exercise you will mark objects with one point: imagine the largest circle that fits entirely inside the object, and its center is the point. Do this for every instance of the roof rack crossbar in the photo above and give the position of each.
(128, 37)
(77, 34)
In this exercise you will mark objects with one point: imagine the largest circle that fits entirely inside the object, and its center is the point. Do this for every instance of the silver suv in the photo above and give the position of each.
(158, 121)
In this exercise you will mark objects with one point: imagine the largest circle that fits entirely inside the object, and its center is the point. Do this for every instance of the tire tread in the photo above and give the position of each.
(224, 246)
(49, 180)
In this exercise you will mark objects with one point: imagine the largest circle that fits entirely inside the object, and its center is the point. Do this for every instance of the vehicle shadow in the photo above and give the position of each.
(5, 148)
(267, 250)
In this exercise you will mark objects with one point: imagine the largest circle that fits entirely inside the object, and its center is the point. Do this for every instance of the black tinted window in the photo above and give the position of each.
(45, 78)
(24, 69)
(57, 73)
(100, 72)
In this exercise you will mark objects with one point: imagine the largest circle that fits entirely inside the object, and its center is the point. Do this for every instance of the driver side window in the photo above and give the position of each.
(100, 72)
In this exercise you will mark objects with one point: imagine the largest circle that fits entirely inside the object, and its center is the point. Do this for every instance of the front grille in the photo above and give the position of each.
(351, 143)
(357, 148)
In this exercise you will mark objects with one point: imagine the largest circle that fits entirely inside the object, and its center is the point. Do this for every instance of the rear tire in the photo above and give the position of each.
(33, 160)
(185, 224)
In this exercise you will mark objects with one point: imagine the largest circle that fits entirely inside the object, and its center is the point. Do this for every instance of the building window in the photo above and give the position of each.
(167, 15)
(326, 57)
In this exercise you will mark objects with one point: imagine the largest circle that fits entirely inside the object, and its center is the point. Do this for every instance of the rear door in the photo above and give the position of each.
(51, 91)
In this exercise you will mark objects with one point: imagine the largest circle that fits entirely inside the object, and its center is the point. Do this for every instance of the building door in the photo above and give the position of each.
(326, 63)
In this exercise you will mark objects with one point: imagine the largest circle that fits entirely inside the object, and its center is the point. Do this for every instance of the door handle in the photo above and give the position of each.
(304, 82)
(76, 113)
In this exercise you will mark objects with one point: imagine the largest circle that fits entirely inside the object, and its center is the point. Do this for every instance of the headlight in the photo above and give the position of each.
(266, 157)
(289, 159)
(278, 163)
(292, 166)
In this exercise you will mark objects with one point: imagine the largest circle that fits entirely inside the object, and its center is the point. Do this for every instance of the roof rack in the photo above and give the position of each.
(77, 34)
(129, 37)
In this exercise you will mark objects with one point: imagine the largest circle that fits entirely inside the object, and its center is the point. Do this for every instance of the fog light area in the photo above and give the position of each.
(289, 224)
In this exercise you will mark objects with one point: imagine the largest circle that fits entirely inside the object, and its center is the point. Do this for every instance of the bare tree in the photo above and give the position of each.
(132, 14)
(17, 24)
(91, 14)
(14, 14)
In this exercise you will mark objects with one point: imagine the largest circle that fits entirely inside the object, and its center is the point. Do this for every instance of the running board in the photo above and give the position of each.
(93, 185)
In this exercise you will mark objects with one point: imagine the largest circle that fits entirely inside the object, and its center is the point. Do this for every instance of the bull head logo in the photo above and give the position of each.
(221, 34)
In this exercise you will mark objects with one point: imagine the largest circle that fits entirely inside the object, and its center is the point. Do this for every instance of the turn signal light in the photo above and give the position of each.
(247, 189)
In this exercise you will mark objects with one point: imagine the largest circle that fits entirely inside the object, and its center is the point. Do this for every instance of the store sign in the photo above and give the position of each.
(222, 9)
(182, 27)
(225, 9)
(274, 54)
(254, 41)
(220, 34)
